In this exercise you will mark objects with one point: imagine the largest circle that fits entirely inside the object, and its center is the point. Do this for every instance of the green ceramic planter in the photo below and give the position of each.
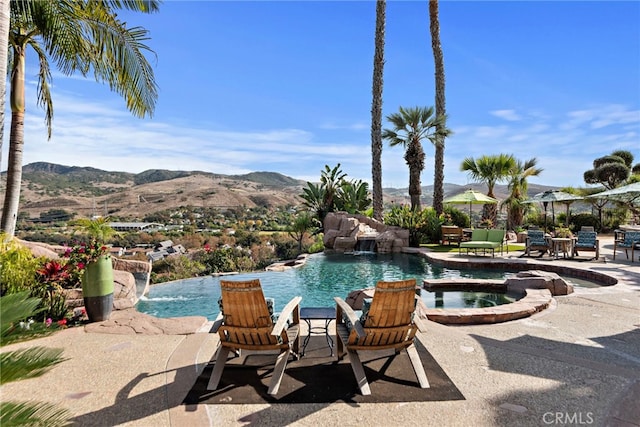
(97, 289)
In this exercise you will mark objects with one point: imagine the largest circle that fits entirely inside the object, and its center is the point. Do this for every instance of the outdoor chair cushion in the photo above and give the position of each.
(586, 239)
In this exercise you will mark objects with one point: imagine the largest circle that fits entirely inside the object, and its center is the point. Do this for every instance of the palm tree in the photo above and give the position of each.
(321, 199)
(489, 170)
(410, 127)
(302, 224)
(79, 36)
(5, 23)
(30, 362)
(98, 229)
(376, 110)
(438, 59)
(518, 186)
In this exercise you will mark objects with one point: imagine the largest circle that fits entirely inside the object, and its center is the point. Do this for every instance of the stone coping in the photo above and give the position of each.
(534, 301)
(515, 265)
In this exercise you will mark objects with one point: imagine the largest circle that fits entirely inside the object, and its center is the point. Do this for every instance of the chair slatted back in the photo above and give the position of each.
(389, 320)
(246, 316)
(536, 238)
(586, 239)
(631, 237)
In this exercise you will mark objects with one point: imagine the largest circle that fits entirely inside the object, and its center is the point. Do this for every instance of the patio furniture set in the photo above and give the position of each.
(247, 323)
(586, 240)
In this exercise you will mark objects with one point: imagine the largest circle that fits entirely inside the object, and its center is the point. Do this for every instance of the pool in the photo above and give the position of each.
(323, 277)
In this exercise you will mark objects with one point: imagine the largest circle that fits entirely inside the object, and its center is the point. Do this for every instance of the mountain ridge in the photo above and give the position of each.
(89, 191)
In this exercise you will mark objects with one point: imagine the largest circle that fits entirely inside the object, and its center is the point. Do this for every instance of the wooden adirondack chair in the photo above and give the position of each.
(387, 324)
(245, 323)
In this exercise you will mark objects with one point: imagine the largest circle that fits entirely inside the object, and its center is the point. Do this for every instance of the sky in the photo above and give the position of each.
(286, 87)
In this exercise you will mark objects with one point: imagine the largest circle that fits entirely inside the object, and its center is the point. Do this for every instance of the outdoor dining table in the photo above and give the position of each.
(562, 244)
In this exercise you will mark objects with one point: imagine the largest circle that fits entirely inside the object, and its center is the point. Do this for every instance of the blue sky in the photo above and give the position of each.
(286, 87)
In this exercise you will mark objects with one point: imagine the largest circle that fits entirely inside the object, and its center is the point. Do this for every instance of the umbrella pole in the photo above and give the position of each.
(470, 220)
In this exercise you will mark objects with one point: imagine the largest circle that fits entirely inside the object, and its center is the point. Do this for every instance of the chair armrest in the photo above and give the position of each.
(353, 317)
(216, 324)
(284, 315)
(420, 323)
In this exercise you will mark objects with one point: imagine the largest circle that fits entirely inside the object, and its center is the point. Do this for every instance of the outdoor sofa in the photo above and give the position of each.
(485, 240)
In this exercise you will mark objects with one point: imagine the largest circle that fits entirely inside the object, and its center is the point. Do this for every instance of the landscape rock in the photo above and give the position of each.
(342, 232)
(537, 279)
(132, 322)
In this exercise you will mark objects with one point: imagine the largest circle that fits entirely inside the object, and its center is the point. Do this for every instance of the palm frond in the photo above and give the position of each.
(16, 307)
(28, 363)
(33, 414)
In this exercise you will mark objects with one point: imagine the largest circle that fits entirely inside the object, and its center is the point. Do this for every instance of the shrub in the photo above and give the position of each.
(456, 217)
(17, 267)
(585, 219)
(423, 225)
(176, 268)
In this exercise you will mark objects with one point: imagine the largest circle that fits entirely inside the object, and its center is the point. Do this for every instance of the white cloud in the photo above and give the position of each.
(509, 115)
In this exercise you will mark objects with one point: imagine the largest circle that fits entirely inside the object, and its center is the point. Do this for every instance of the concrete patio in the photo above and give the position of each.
(577, 362)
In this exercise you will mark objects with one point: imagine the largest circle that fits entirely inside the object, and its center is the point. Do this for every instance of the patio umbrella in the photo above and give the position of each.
(472, 197)
(627, 193)
(553, 196)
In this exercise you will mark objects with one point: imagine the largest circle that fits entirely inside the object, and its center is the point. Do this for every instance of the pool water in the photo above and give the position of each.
(323, 277)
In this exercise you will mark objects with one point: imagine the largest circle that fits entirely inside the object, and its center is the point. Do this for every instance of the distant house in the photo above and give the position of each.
(165, 249)
(136, 226)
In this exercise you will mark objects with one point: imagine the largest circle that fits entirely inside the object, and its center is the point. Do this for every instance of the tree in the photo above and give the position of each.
(334, 193)
(5, 23)
(353, 197)
(376, 110)
(489, 170)
(301, 225)
(410, 127)
(611, 171)
(438, 60)
(78, 36)
(518, 185)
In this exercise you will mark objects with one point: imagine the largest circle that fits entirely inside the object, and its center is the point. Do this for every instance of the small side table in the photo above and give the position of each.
(562, 243)
(318, 313)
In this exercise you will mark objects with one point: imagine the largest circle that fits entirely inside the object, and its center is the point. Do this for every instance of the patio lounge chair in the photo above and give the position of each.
(246, 323)
(587, 241)
(631, 241)
(536, 241)
(451, 234)
(386, 324)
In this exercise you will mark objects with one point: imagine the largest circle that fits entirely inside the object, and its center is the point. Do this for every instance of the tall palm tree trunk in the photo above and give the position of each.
(376, 111)
(5, 23)
(438, 59)
(414, 157)
(16, 145)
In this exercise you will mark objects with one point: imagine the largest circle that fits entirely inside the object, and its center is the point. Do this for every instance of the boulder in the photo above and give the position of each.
(42, 249)
(345, 244)
(537, 279)
(343, 230)
(355, 298)
(124, 290)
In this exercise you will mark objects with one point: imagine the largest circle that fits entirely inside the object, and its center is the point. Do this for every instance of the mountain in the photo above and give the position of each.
(88, 191)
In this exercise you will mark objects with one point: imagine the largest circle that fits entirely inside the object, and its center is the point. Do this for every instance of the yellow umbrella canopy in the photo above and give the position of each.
(471, 197)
